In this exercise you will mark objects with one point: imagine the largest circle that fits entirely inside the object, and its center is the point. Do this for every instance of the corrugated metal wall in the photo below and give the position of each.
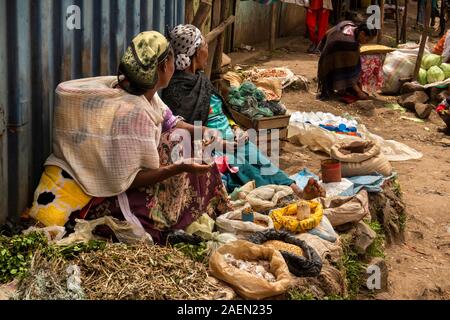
(38, 51)
(292, 20)
(253, 22)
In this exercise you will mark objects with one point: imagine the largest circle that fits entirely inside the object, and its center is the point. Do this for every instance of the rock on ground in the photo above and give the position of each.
(370, 278)
(363, 237)
(409, 100)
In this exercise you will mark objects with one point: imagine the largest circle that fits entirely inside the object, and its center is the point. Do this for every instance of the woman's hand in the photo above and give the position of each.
(214, 136)
(194, 166)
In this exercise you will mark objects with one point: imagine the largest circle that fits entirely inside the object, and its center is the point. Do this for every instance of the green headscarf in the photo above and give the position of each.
(140, 62)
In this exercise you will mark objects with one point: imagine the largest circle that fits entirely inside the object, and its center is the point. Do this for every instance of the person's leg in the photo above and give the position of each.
(311, 22)
(360, 93)
(324, 16)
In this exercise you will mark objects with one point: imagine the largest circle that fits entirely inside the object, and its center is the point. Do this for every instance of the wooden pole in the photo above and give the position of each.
(442, 18)
(273, 27)
(405, 18)
(202, 13)
(211, 36)
(380, 34)
(217, 63)
(212, 41)
(189, 11)
(397, 35)
(424, 39)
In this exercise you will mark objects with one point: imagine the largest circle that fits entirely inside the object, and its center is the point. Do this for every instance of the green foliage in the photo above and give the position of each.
(197, 253)
(335, 297)
(396, 188)
(296, 294)
(376, 249)
(354, 269)
(16, 252)
(73, 250)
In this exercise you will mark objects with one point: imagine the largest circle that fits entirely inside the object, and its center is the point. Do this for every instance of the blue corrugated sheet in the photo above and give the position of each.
(38, 51)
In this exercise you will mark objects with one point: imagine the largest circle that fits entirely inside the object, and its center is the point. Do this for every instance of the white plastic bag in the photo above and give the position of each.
(266, 197)
(319, 139)
(74, 281)
(53, 233)
(204, 227)
(231, 222)
(125, 231)
(397, 65)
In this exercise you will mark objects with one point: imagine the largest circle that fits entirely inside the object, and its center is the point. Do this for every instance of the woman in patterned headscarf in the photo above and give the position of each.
(112, 151)
(191, 94)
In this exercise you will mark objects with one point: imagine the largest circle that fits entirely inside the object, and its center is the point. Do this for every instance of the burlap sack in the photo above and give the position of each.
(247, 285)
(360, 164)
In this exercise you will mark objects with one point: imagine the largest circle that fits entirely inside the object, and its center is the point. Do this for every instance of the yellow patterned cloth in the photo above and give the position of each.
(286, 218)
(57, 197)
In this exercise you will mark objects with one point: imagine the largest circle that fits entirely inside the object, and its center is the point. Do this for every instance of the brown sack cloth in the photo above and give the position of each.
(342, 210)
(365, 161)
(247, 285)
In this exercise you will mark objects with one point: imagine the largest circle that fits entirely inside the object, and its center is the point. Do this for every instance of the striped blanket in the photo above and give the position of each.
(339, 63)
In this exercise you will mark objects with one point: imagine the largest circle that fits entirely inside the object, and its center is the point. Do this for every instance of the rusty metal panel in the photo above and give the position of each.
(252, 23)
(38, 51)
(292, 20)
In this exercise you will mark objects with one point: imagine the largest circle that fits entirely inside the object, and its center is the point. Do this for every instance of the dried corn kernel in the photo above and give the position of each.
(283, 246)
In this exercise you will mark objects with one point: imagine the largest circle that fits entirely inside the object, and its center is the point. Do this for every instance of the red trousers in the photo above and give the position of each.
(317, 18)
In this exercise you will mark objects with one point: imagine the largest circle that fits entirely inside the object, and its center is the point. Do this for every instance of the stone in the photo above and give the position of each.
(409, 100)
(445, 142)
(423, 110)
(364, 237)
(366, 107)
(409, 87)
(442, 96)
(370, 276)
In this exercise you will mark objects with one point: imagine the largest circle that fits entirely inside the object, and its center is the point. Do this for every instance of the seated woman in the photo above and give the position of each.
(191, 94)
(340, 62)
(112, 151)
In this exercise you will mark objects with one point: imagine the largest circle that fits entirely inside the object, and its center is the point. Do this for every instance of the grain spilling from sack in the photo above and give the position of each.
(283, 246)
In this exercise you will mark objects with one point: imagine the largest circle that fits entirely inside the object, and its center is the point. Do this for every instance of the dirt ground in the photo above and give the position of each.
(420, 267)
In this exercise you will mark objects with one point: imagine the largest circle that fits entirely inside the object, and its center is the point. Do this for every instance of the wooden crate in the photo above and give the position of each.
(269, 139)
(270, 136)
(262, 123)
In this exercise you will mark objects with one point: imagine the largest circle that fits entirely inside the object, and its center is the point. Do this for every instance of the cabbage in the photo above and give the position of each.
(422, 78)
(435, 74)
(446, 68)
(431, 60)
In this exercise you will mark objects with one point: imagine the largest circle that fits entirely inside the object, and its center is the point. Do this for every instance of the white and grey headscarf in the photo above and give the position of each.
(185, 40)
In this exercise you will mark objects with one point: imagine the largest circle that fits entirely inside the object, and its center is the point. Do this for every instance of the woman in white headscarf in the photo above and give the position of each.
(191, 95)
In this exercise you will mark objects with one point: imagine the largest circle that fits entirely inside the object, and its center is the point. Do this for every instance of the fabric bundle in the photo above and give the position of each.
(252, 102)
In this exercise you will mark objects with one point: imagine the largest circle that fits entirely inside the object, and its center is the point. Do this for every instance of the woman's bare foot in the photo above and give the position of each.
(363, 96)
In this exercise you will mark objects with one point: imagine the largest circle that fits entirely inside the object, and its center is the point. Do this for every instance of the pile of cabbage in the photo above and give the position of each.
(433, 70)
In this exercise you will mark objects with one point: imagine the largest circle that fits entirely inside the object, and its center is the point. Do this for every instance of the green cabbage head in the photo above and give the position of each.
(431, 60)
(422, 78)
(446, 68)
(435, 74)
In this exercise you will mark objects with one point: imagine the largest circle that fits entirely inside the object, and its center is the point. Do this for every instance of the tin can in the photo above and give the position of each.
(247, 215)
